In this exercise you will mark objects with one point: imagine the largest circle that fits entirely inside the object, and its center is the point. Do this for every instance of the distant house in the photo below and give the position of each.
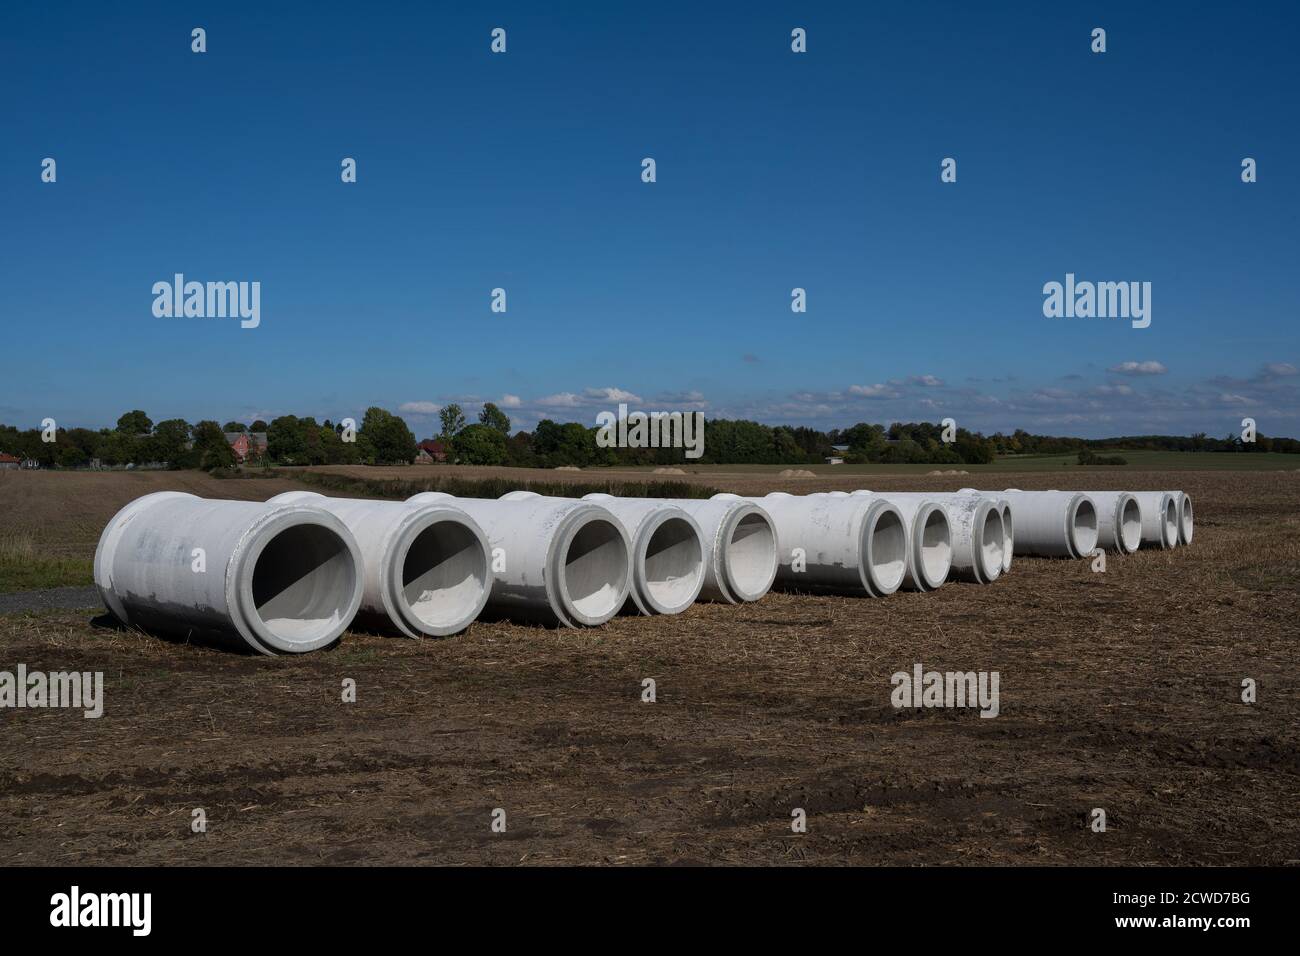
(244, 443)
(431, 451)
(835, 460)
(9, 461)
(839, 449)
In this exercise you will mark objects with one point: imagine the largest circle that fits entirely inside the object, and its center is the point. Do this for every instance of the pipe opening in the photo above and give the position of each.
(444, 575)
(887, 551)
(1008, 537)
(990, 544)
(674, 564)
(1083, 532)
(1130, 525)
(1171, 522)
(302, 583)
(1186, 520)
(751, 557)
(936, 548)
(593, 579)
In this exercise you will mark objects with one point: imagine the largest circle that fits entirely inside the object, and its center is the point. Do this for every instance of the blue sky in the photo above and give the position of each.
(775, 170)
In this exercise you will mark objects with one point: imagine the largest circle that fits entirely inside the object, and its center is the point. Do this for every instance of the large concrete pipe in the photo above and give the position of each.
(975, 523)
(1050, 524)
(426, 568)
(854, 546)
(554, 560)
(284, 578)
(929, 551)
(740, 547)
(1159, 518)
(1119, 526)
(667, 553)
(1183, 502)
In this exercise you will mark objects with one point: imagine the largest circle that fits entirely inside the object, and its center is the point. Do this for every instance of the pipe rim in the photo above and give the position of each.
(242, 571)
(600, 605)
(987, 538)
(883, 573)
(748, 576)
(679, 593)
(1081, 536)
(1128, 523)
(1185, 524)
(1008, 534)
(1169, 526)
(932, 568)
(466, 599)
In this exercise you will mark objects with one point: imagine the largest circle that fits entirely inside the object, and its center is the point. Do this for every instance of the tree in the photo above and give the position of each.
(135, 423)
(493, 417)
(258, 426)
(480, 444)
(385, 439)
(453, 420)
(234, 427)
(169, 442)
(285, 440)
(211, 448)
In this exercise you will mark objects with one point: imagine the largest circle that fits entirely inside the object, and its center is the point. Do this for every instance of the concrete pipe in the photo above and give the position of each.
(426, 568)
(667, 553)
(1051, 524)
(554, 560)
(854, 546)
(740, 548)
(1183, 502)
(929, 552)
(279, 579)
(1119, 527)
(1159, 518)
(975, 524)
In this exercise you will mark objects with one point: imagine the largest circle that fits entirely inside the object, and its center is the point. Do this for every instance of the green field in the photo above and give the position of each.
(1136, 461)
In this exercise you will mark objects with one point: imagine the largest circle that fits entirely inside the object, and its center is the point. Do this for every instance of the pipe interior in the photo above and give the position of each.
(674, 563)
(1008, 537)
(303, 583)
(595, 570)
(1171, 522)
(1085, 528)
(887, 552)
(751, 556)
(444, 574)
(936, 548)
(990, 546)
(1130, 525)
(1186, 519)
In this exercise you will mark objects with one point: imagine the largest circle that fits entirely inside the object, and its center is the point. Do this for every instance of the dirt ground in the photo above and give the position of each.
(1118, 690)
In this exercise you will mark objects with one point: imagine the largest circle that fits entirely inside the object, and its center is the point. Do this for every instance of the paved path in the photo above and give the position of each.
(70, 599)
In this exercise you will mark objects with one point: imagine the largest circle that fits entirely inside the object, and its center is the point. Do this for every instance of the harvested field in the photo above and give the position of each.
(1118, 690)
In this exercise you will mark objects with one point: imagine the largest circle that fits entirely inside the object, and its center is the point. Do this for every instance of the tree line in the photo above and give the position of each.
(384, 438)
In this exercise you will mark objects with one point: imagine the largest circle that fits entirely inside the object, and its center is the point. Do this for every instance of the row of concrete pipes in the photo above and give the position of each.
(291, 574)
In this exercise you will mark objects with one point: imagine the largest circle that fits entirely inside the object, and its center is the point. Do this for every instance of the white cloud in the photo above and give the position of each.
(610, 394)
(1280, 369)
(873, 391)
(929, 381)
(510, 401)
(1138, 368)
(419, 408)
